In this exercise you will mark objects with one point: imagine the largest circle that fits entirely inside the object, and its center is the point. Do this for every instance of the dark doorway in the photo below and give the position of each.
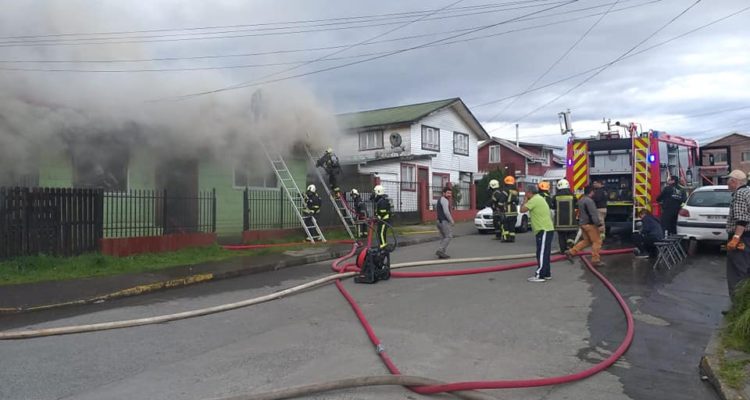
(423, 175)
(178, 180)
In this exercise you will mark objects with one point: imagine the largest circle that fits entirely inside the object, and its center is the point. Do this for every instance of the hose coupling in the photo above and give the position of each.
(380, 348)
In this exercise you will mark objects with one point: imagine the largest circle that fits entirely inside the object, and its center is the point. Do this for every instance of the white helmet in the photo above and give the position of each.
(355, 192)
(563, 184)
(494, 184)
(329, 150)
(311, 188)
(378, 190)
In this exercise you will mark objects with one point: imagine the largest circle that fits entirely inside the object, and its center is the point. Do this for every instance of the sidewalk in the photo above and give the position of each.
(45, 295)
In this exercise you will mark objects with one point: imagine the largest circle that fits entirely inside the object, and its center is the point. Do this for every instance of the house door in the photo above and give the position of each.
(423, 175)
(178, 178)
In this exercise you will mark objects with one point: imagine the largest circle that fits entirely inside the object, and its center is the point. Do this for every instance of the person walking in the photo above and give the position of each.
(445, 221)
(544, 231)
(566, 223)
(591, 227)
(671, 199)
(738, 247)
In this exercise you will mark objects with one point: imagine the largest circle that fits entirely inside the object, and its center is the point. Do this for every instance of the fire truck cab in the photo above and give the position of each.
(633, 166)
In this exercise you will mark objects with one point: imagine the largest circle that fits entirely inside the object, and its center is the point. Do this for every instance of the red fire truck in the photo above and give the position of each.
(633, 166)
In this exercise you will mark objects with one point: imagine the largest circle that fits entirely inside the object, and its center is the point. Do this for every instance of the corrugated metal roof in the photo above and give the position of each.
(392, 115)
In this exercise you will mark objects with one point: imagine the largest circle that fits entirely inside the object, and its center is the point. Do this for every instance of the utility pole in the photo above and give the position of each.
(517, 142)
(566, 126)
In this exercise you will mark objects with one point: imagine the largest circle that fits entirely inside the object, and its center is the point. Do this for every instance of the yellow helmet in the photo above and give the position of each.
(509, 180)
(544, 185)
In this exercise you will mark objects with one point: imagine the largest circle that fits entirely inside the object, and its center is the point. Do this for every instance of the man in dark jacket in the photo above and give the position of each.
(591, 227)
(601, 195)
(330, 163)
(671, 199)
(312, 206)
(566, 224)
(382, 214)
(360, 214)
(509, 197)
(544, 188)
(651, 232)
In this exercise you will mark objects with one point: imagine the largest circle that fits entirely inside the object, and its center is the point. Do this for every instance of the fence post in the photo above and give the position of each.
(164, 218)
(213, 210)
(246, 210)
(281, 208)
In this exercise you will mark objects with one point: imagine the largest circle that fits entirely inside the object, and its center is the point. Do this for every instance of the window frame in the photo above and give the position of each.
(468, 143)
(742, 157)
(78, 184)
(444, 176)
(499, 156)
(411, 185)
(247, 176)
(367, 132)
(547, 155)
(424, 135)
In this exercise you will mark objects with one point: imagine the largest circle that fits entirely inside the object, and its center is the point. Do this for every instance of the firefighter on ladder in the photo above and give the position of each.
(330, 163)
(506, 202)
(566, 223)
(382, 214)
(360, 214)
(312, 207)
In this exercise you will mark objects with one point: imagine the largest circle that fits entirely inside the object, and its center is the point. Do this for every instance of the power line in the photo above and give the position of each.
(558, 60)
(250, 83)
(606, 66)
(409, 37)
(259, 65)
(171, 38)
(405, 14)
(680, 36)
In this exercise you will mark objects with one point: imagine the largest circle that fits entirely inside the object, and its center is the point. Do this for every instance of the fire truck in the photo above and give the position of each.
(633, 166)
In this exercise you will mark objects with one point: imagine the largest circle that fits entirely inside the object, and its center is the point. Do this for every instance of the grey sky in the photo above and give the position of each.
(664, 89)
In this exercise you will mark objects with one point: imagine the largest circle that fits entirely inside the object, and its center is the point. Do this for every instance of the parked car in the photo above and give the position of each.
(704, 217)
(483, 219)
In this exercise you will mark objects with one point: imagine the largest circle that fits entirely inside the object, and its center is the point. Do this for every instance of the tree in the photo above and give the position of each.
(483, 195)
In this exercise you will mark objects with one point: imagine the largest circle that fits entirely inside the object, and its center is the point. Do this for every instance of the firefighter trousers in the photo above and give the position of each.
(509, 227)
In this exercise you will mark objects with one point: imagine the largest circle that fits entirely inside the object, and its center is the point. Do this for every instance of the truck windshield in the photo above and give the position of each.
(714, 198)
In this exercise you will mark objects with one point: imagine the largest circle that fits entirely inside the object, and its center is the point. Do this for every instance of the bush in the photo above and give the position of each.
(483, 194)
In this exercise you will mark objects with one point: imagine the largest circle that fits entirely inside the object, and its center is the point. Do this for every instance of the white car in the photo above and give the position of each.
(483, 219)
(704, 217)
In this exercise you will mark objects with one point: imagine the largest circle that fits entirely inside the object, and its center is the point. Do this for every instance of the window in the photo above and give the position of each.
(409, 177)
(745, 156)
(439, 181)
(494, 154)
(102, 171)
(460, 143)
(430, 138)
(370, 140)
(252, 177)
(546, 157)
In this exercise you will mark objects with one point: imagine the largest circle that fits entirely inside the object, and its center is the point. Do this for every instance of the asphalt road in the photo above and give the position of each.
(477, 327)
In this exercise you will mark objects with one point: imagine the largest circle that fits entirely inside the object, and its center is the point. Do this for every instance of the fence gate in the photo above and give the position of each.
(50, 221)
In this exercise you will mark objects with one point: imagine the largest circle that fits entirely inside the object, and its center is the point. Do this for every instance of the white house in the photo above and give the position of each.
(434, 142)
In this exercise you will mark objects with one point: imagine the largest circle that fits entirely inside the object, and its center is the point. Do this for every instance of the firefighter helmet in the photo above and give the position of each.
(563, 184)
(355, 192)
(311, 188)
(494, 184)
(378, 190)
(544, 185)
(329, 150)
(509, 180)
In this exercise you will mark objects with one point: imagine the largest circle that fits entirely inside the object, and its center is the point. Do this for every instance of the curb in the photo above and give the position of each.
(709, 369)
(200, 278)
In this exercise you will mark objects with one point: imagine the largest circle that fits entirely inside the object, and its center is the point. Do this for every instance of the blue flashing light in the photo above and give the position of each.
(570, 162)
(651, 158)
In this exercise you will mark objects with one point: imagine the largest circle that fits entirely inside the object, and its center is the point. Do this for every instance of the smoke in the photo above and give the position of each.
(93, 117)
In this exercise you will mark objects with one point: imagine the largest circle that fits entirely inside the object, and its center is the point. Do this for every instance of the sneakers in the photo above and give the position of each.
(441, 255)
(536, 279)
(547, 278)
(642, 256)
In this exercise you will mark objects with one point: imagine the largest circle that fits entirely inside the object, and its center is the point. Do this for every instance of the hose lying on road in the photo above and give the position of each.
(377, 380)
(73, 329)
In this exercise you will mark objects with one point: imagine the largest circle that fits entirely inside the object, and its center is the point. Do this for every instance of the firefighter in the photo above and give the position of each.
(566, 223)
(544, 192)
(330, 163)
(382, 214)
(672, 198)
(360, 214)
(509, 196)
(312, 206)
(497, 204)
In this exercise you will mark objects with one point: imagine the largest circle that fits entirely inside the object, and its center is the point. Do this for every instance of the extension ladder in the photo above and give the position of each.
(339, 202)
(293, 193)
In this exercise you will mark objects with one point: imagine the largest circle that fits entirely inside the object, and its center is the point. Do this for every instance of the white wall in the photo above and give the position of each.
(348, 146)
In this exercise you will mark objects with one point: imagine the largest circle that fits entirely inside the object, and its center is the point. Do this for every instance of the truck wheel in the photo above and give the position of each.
(692, 247)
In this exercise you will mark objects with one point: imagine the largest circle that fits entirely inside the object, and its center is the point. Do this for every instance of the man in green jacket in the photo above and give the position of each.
(541, 222)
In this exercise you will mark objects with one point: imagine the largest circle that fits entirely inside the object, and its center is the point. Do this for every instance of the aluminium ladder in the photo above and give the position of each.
(339, 202)
(293, 193)
(641, 178)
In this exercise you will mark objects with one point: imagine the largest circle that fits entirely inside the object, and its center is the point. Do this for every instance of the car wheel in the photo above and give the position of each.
(524, 225)
(692, 247)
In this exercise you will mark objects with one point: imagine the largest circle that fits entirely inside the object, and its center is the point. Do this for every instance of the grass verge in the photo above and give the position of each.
(48, 268)
(736, 336)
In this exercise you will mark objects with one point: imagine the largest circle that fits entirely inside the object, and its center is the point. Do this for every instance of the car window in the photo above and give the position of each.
(714, 198)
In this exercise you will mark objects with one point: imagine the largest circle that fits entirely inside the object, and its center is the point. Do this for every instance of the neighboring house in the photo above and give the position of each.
(529, 162)
(430, 143)
(722, 155)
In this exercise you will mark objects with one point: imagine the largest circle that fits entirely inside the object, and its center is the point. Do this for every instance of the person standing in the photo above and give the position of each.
(360, 214)
(671, 198)
(544, 192)
(591, 228)
(497, 203)
(600, 200)
(738, 256)
(544, 231)
(445, 221)
(382, 214)
(509, 197)
(566, 223)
